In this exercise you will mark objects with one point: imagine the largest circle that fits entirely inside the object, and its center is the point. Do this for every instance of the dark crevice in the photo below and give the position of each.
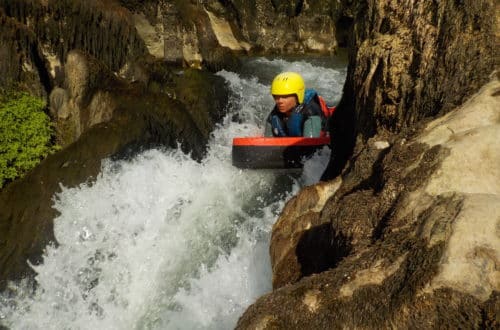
(298, 7)
(343, 136)
(385, 27)
(319, 249)
(275, 7)
(378, 231)
(39, 63)
(376, 180)
(233, 10)
(489, 312)
(344, 31)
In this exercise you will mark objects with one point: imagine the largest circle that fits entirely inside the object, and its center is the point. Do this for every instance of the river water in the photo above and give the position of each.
(164, 242)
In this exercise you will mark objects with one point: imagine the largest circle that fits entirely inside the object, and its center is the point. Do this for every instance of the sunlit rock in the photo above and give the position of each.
(152, 35)
(191, 50)
(86, 102)
(470, 261)
(381, 144)
(225, 35)
(54, 64)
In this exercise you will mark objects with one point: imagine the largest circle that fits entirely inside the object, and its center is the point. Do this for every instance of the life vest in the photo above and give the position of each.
(293, 126)
(310, 94)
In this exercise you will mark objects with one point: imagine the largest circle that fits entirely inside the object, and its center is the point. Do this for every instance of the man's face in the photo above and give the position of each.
(285, 103)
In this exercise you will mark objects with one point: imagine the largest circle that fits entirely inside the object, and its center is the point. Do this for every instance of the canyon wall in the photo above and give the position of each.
(406, 201)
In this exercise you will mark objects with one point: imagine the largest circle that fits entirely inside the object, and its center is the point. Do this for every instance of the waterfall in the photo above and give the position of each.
(164, 242)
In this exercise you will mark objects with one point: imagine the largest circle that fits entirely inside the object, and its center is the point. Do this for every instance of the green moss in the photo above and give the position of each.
(25, 135)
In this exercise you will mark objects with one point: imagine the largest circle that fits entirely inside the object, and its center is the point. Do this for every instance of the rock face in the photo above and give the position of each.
(241, 26)
(417, 60)
(409, 61)
(416, 224)
(86, 101)
(93, 93)
(122, 36)
(197, 34)
(21, 61)
(287, 26)
(53, 28)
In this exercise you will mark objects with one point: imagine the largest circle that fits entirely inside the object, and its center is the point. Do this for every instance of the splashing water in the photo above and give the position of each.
(164, 242)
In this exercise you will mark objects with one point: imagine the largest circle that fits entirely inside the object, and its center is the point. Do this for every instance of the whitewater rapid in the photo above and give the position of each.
(163, 242)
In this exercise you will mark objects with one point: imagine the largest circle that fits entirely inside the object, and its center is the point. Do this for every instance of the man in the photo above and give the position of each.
(297, 111)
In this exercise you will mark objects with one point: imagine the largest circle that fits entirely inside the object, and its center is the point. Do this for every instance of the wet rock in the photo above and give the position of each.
(196, 35)
(151, 34)
(407, 62)
(93, 93)
(194, 32)
(21, 59)
(87, 99)
(419, 59)
(292, 254)
(98, 113)
(209, 34)
(48, 31)
(422, 228)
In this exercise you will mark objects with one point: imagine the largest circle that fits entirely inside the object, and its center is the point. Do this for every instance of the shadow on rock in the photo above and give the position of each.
(319, 249)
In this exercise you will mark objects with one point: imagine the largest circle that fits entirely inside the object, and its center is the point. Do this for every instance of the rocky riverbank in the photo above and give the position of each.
(407, 238)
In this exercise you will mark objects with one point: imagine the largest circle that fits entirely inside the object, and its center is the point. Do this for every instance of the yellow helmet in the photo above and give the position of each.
(287, 83)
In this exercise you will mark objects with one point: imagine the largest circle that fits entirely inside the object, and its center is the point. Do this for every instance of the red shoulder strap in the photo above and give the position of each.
(327, 111)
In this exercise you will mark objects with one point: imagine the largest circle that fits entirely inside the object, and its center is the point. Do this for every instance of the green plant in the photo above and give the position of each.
(25, 135)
